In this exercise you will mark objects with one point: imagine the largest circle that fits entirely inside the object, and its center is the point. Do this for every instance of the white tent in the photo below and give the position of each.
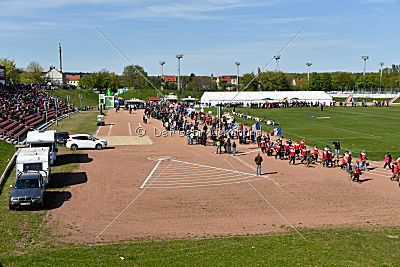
(214, 98)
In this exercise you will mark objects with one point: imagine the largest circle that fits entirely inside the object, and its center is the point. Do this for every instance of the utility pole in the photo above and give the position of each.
(162, 73)
(237, 75)
(179, 56)
(365, 62)
(277, 62)
(380, 84)
(308, 70)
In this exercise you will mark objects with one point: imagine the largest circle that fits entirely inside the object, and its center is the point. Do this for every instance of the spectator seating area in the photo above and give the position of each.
(23, 108)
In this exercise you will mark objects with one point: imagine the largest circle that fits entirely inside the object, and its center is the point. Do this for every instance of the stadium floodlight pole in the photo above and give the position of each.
(308, 70)
(380, 83)
(365, 62)
(277, 57)
(179, 56)
(162, 73)
(268, 63)
(237, 76)
(127, 59)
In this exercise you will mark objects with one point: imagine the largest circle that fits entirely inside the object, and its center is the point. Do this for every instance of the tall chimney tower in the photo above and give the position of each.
(59, 56)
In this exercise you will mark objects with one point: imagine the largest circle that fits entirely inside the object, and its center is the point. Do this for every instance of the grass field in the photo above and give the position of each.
(323, 247)
(366, 99)
(84, 122)
(89, 98)
(6, 152)
(375, 129)
(145, 94)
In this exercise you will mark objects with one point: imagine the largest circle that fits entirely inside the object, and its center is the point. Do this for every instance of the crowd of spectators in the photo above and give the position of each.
(23, 108)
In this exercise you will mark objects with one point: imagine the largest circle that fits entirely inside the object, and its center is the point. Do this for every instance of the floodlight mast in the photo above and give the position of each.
(308, 70)
(277, 57)
(365, 62)
(179, 56)
(380, 83)
(237, 75)
(162, 73)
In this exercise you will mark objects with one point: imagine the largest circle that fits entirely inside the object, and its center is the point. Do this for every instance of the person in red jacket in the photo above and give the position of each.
(302, 143)
(269, 149)
(304, 154)
(363, 159)
(315, 151)
(292, 154)
(356, 172)
(262, 145)
(297, 148)
(395, 176)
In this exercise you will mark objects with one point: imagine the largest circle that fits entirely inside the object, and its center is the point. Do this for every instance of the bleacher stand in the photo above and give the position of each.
(23, 108)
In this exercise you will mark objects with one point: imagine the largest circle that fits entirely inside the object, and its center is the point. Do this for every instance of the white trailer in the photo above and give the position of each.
(43, 139)
(34, 159)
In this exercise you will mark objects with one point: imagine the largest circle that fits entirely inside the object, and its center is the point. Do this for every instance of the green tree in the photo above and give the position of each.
(274, 81)
(320, 82)
(367, 82)
(12, 72)
(245, 82)
(131, 77)
(342, 81)
(33, 73)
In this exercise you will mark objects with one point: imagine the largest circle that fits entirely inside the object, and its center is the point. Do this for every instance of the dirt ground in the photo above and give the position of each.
(129, 193)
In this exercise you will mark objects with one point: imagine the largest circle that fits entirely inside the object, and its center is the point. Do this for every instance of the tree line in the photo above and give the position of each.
(135, 76)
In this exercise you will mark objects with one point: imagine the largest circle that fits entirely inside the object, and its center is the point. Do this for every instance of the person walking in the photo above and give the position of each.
(363, 159)
(356, 172)
(388, 160)
(292, 154)
(234, 148)
(337, 148)
(258, 159)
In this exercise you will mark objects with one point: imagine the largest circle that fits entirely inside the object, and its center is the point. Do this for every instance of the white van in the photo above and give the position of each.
(43, 139)
(34, 159)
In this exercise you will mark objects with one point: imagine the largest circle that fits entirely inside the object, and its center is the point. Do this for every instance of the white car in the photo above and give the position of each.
(76, 141)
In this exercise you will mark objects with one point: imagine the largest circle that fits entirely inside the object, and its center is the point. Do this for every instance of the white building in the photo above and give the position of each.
(214, 98)
(54, 76)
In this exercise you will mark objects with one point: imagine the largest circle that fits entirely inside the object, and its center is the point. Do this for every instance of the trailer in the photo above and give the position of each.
(43, 139)
(36, 159)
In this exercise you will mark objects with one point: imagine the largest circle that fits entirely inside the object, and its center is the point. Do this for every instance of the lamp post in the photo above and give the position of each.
(308, 70)
(277, 62)
(179, 56)
(237, 75)
(380, 84)
(162, 73)
(365, 62)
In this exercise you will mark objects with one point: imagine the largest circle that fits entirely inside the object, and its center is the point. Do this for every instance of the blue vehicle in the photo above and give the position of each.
(28, 191)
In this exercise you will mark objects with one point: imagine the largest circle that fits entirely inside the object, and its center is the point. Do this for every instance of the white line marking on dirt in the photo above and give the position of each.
(109, 131)
(129, 127)
(245, 163)
(205, 185)
(244, 153)
(266, 200)
(98, 129)
(133, 200)
(212, 167)
(151, 173)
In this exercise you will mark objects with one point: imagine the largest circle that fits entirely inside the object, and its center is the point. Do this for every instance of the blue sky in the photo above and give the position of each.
(212, 34)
